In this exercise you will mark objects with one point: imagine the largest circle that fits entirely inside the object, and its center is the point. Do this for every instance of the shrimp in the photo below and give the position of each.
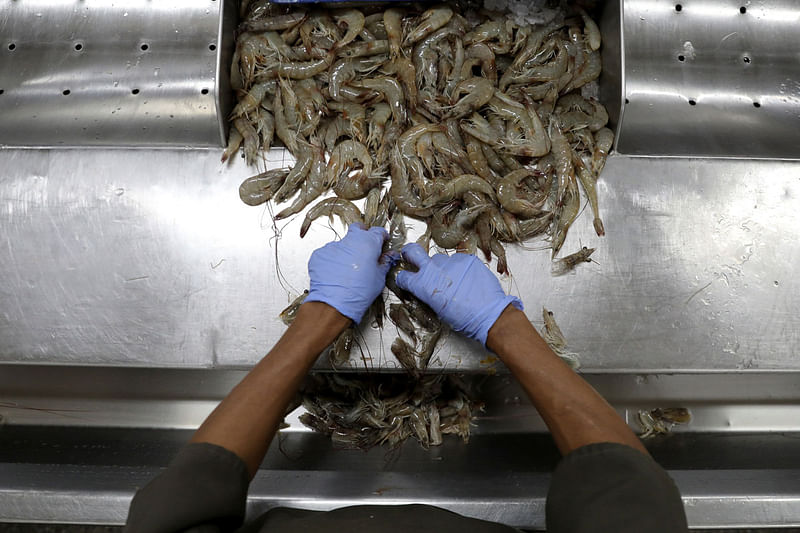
(371, 206)
(288, 315)
(427, 23)
(500, 252)
(482, 53)
(276, 22)
(377, 124)
(402, 319)
(568, 208)
(425, 151)
(304, 70)
(365, 48)
(313, 185)
(484, 32)
(301, 168)
(589, 183)
(354, 20)
(535, 142)
(562, 152)
(589, 71)
(291, 106)
(341, 72)
(428, 345)
(552, 333)
(478, 161)
(250, 139)
(234, 142)
(344, 209)
(355, 187)
(252, 99)
(400, 190)
(393, 22)
(258, 189)
(591, 30)
(603, 140)
(265, 126)
(356, 114)
(341, 347)
(376, 25)
(478, 93)
(282, 129)
(407, 145)
(528, 229)
(403, 68)
(595, 112)
(392, 93)
(406, 356)
(450, 234)
(343, 159)
(507, 195)
(569, 262)
(444, 192)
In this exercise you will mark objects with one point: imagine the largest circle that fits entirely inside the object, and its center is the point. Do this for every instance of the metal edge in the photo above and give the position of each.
(223, 97)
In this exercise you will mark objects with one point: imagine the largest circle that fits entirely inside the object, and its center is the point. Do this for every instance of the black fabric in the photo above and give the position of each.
(611, 487)
(602, 487)
(204, 490)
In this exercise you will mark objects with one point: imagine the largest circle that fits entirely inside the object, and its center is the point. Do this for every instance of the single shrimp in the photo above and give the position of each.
(567, 210)
(403, 68)
(380, 115)
(535, 141)
(282, 129)
(486, 57)
(376, 25)
(344, 209)
(425, 152)
(401, 317)
(589, 182)
(354, 20)
(313, 186)
(304, 70)
(356, 114)
(500, 252)
(591, 30)
(446, 191)
(364, 48)
(427, 23)
(397, 232)
(478, 160)
(288, 315)
(234, 142)
(340, 350)
(484, 32)
(449, 231)
(478, 93)
(355, 187)
(531, 228)
(603, 140)
(391, 135)
(250, 139)
(393, 22)
(258, 189)
(301, 169)
(589, 71)
(371, 206)
(276, 22)
(569, 262)
(343, 159)
(291, 105)
(400, 189)
(341, 72)
(507, 195)
(407, 145)
(392, 92)
(562, 152)
(265, 126)
(250, 101)
(597, 116)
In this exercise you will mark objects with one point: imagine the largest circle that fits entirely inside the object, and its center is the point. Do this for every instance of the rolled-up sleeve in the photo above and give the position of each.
(203, 489)
(611, 487)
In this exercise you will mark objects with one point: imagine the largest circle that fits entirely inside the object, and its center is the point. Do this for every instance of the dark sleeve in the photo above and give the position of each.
(203, 489)
(612, 487)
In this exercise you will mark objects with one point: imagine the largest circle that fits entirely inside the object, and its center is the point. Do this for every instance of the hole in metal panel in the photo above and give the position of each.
(12, 46)
(742, 10)
(78, 46)
(2, 91)
(204, 91)
(681, 58)
(627, 101)
(135, 91)
(212, 46)
(65, 92)
(692, 102)
(756, 104)
(678, 7)
(144, 47)
(746, 59)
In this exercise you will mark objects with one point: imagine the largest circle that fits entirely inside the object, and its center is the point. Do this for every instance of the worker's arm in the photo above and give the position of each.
(573, 411)
(206, 484)
(468, 296)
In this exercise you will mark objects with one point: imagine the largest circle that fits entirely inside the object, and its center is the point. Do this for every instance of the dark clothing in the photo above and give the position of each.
(598, 488)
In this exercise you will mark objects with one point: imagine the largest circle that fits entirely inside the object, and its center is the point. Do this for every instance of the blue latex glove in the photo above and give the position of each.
(460, 288)
(349, 274)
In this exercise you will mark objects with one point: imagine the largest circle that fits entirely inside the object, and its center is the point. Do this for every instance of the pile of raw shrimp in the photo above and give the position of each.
(387, 409)
(474, 124)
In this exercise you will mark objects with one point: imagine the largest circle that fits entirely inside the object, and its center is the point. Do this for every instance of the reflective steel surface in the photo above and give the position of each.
(718, 78)
(151, 259)
(96, 73)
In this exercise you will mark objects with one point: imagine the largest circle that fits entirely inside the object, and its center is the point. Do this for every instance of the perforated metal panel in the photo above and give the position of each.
(718, 78)
(100, 73)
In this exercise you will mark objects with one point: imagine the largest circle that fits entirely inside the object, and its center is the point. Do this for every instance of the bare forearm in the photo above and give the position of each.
(248, 417)
(573, 411)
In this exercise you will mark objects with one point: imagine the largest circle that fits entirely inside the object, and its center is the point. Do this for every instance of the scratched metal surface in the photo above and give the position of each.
(150, 259)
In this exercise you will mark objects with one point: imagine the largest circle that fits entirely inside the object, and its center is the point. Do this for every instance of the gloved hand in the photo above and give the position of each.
(349, 274)
(459, 287)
